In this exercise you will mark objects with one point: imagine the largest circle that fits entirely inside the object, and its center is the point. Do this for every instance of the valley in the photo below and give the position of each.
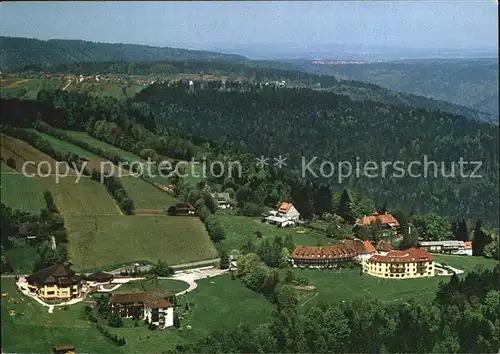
(332, 191)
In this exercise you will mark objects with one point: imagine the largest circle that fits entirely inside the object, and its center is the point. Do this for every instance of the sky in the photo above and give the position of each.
(411, 24)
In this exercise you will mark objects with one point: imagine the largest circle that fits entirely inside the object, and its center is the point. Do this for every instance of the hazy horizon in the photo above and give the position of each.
(437, 25)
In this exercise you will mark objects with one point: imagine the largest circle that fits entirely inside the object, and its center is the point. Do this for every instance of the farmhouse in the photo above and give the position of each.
(364, 249)
(181, 209)
(284, 216)
(407, 264)
(447, 246)
(223, 200)
(57, 282)
(322, 256)
(154, 307)
(387, 222)
(28, 229)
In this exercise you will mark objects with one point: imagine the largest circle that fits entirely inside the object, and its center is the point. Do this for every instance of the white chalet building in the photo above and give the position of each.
(286, 215)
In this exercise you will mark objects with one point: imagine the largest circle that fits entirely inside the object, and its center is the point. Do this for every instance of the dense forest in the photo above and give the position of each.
(265, 71)
(472, 83)
(18, 53)
(303, 122)
(470, 92)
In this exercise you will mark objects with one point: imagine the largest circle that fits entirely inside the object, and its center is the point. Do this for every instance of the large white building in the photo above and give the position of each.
(448, 246)
(155, 308)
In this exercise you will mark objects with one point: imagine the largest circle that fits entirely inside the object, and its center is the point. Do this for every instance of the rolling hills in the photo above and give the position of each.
(472, 83)
(18, 53)
(99, 234)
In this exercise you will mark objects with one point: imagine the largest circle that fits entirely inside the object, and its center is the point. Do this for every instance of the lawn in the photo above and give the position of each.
(21, 258)
(466, 263)
(122, 239)
(34, 330)
(21, 192)
(343, 284)
(145, 195)
(240, 229)
(174, 286)
(218, 303)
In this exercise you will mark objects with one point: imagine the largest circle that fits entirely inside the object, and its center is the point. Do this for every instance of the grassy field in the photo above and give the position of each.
(239, 229)
(174, 286)
(34, 330)
(121, 239)
(21, 192)
(21, 258)
(87, 197)
(130, 157)
(344, 284)
(118, 238)
(217, 303)
(82, 136)
(466, 263)
(23, 152)
(65, 147)
(12, 87)
(145, 195)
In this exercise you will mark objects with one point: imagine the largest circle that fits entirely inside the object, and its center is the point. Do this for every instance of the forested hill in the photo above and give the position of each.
(469, 82)
(266, 71)
(17, 53)
(304, 122)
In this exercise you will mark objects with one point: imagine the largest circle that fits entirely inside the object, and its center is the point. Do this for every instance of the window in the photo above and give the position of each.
(50, 292)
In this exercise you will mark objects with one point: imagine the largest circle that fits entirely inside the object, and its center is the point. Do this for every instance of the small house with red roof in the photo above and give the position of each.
(406, 264)
(285, 215)
(386, 221)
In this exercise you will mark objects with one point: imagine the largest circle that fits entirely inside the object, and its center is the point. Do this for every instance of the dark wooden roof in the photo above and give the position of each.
(59, 274)
(152, 300)
(99, 276)
(64, 348)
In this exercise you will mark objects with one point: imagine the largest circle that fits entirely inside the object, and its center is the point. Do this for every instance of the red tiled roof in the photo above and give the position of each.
(369, 247)
(284, 207)
(383, 246)
(361, 247)
(409, 255)
(383, 218)
(329, 252)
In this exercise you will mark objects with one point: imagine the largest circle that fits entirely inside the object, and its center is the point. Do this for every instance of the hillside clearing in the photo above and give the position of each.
(145, 195)
(21, 192)
(121, 239)
(240, 229)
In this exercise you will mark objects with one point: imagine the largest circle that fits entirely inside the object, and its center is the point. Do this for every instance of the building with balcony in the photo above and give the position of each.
(407, 264)
(448, 247)
(55, 283)
(154, 307)
(322, 256)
